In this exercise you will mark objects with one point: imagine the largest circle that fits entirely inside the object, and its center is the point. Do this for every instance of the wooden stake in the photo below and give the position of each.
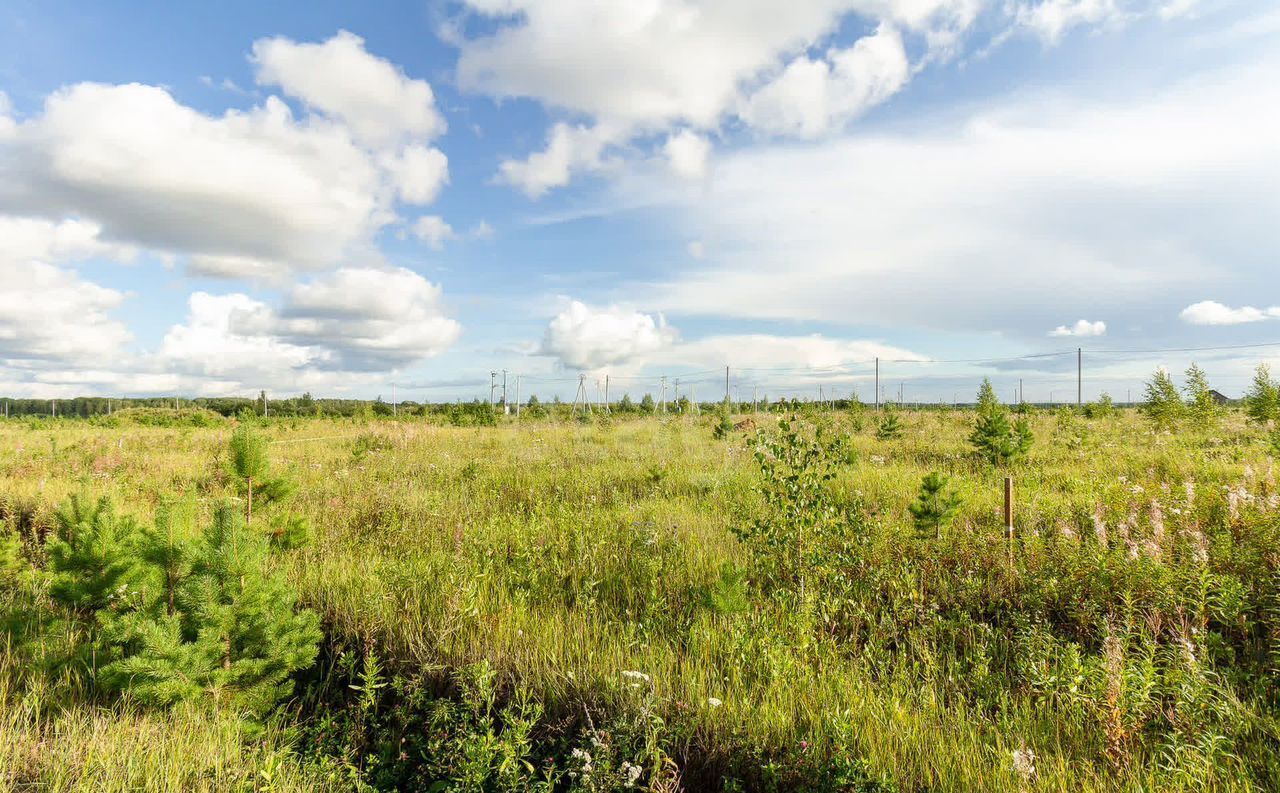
(1008, 514)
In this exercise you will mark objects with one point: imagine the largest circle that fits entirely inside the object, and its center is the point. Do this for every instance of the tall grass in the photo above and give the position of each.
(1128, 646)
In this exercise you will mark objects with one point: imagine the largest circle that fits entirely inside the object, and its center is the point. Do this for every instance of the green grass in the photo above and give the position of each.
(1135, 657)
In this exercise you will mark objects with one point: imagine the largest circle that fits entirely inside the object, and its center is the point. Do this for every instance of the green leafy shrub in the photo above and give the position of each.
(1163, 405)
(1262, 400)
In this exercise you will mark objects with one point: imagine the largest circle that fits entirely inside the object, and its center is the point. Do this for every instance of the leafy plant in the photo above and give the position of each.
(1163, 405)
(1262, 400)
(1202, 407)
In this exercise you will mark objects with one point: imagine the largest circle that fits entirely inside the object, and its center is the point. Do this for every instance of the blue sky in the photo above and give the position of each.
(334, 198)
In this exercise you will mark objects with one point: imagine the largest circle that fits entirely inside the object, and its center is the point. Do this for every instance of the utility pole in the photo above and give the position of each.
(1079, 377)
(505, 408)
(877, 382)
(664, 395)
(726, 384)
(493, 376)
(581, 392)
(607, 409)
(755, 406)
(517, 396)
(53, 405)
(1019, 390)
(394, 412)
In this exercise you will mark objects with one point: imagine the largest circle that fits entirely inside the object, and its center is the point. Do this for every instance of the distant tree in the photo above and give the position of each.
(987, 399)
(1101, 409)
(626, 405)
(934, 507)
(1262, 400)
(1163, 404)
(646, 403)
(1201, 405)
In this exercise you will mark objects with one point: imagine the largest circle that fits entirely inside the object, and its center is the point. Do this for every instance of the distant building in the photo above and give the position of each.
(1219, 397)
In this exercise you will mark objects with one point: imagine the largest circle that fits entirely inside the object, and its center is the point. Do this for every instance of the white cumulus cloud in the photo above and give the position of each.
(687, 153)
(433, 230)
(341, 78)
(583, 337)
(1082, 327)
(812, 98)
(259, 192)
(1211, 312)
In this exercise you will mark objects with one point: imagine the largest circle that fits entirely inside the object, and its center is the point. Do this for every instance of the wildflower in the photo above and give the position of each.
(1024, 764)
(638, 677)
(630, 773)
(713, 702)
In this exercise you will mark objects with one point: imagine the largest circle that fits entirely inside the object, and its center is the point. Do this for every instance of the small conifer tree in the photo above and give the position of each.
(1163, 405)
(646, 403)
(91, 555)
(232, 632)
(994, 436)
(889, 426)
(1262, 400)
(724, 426)
(935, 507)
(250, 467)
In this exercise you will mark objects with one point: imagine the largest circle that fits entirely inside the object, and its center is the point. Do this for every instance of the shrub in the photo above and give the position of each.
(1163, 405)
(1262, 400)
(1202, 407)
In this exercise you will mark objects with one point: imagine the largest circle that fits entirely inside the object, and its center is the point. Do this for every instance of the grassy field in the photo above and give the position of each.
(571, 606)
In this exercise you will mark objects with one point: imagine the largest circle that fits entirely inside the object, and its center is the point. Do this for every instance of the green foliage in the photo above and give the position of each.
(995, 438)
(213, 621)
(803, 531)
(724, 424)
(1103, 408)
(473, 414)
(935, 507)
(987, 400)
(889, 427)
(1201, 406)
(1262, 400)
(647, 404)
(1163, 405)
(90, 555)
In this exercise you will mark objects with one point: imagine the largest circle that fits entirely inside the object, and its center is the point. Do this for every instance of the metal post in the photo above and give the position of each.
(517, 396)
(1079, 377)
(877, 382)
